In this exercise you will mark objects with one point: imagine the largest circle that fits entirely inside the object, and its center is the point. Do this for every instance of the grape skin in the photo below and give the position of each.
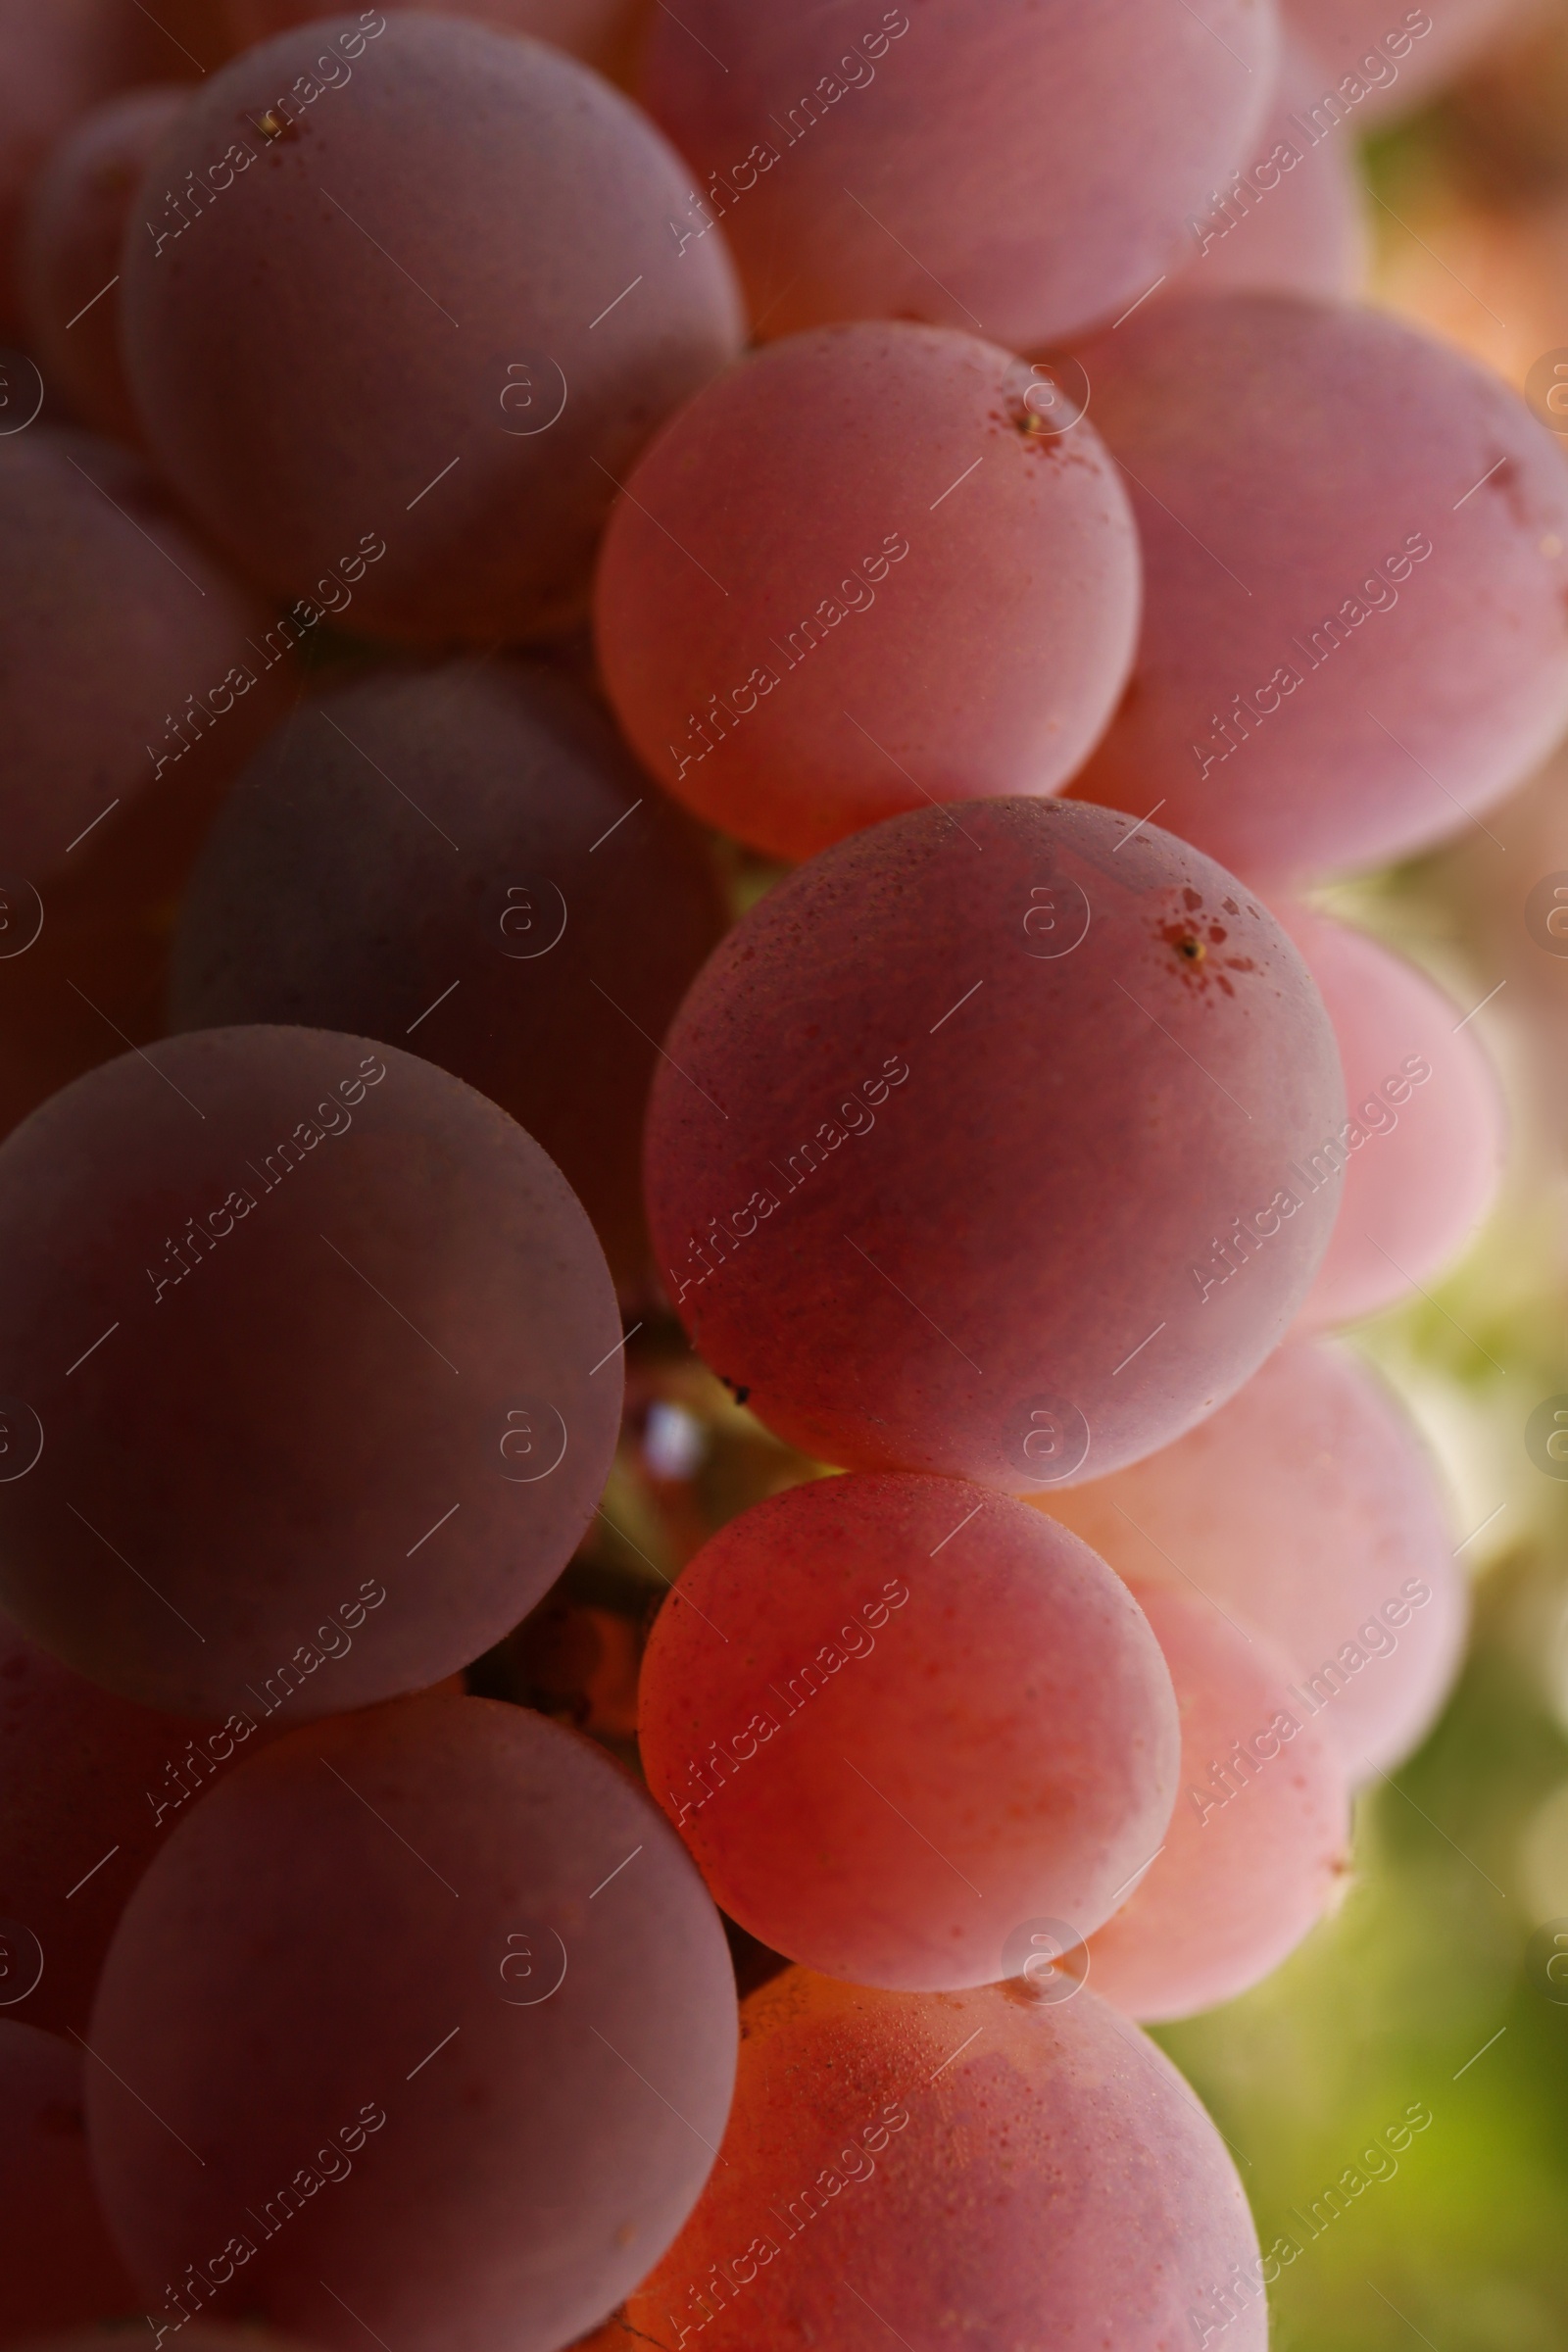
(1426, 1150)
(289, 1964)
(896, 1158)
(1307, 1509)
(342, 1382)
(471, 403)
(1396, 546)
(72, 235)
(895, 166)
(1026, 2170)
(1402, 65)
(884, 509)
(889, 1725)
(1257, 1848)
(516, 858)
(602, 32)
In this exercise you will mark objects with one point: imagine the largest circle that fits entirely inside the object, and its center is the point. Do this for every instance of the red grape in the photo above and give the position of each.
(922, 1630)
(1255, 1851)
(1382, 68)
(1291, 219)
(999, 2164)
(197, 2335)
(1306, 1509)
(970, 1151)
(599, 31)
(1354, 627)
(469, 864)
(92, 1785)
(898, 167)
(443, 1969)
(409, 329)
(61, 2268)
(246, 1413)
(72, 232)
(56, 61)
(1422, 1149)
(131, 661)
(905, 487)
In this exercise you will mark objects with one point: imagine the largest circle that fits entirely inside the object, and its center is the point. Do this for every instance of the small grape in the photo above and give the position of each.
(876, 1657)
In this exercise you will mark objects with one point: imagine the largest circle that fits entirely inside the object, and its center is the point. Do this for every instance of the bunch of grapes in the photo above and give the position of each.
(681, 678)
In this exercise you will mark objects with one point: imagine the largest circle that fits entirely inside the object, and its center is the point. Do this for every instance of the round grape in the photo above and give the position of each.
(403, 309)
(1422, 1149)
(1290, 221)
(972, 1148)
(310, 1373)
(602, 32)
(61, 2268)
(465, 862)
(876, 1656)
(1354, 618)
(1308, 1510)
(1258, 1845)
(440, 2004)
(864, 572)
(72, 235)
(895, 167)
(1005, 2163)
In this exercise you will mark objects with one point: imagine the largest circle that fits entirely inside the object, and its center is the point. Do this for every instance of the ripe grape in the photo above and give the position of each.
(130, 663)
(1255, 1851)
(906, 488)
(971, 1148)
(61, 2268)
(1308, 1510)
(1002, 2163)
(875, 1656)
(197, 2335)
(443, 1969)
(302, 1366)
(888, 168)
(1422, 1149)
(1353, 623)
(465, 862)
(408, 311)
(601, 32)
(137, 679)
(72, 235)
(55, 63)
(1378, 69)
(1290, 221)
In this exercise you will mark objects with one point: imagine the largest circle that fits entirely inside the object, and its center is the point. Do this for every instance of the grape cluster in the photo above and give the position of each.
(679, 677)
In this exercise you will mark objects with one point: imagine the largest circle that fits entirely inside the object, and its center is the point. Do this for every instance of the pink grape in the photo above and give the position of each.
(1383, 62)
(895, 167)
(890, 510)
(1023, 2169)
(1292, 220)
(72, 231)
(407, 284)
(445, 1970)
(1354, 616)
(1308, 1510)
(319, 1440)
(599, 31)
(875, 1656)
(466, 861)
(130, 663)
(1422, 1149)
(1256, 1847)
(92, 1785)
(901, 1154)
(56, 61)
(61, 2266)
